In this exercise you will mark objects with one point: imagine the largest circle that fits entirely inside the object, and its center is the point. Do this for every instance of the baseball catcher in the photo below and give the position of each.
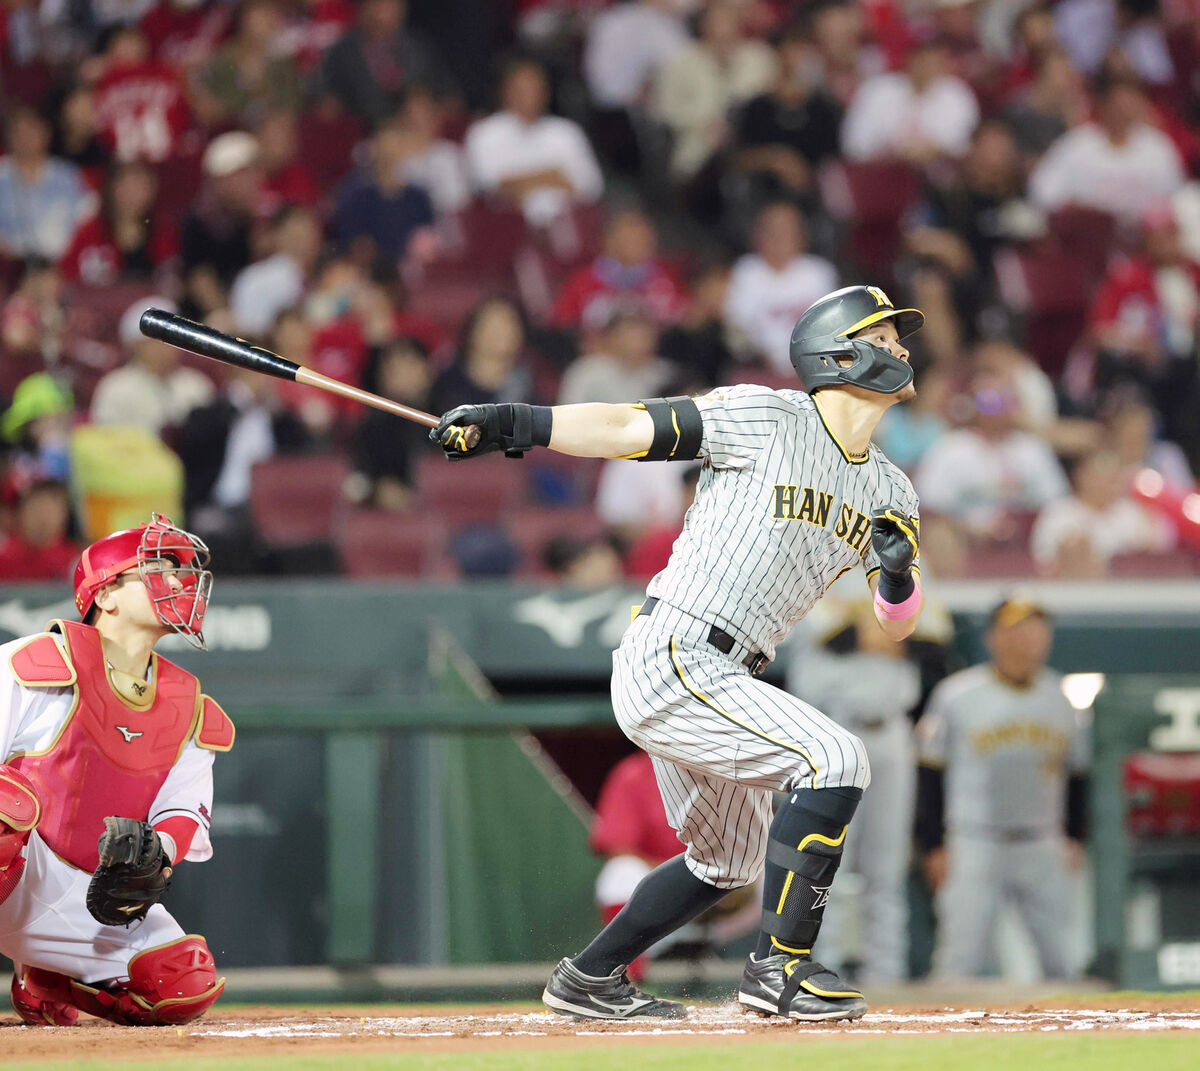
(105, 786)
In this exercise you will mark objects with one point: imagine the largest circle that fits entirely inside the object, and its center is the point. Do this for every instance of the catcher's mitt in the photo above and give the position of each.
(133, 874)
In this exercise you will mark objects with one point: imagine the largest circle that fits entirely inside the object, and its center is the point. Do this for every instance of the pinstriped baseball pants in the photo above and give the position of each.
(722, 741)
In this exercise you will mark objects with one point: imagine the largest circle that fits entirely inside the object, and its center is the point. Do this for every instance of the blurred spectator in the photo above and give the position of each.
(216, 238)
(487, 361)
(287, 179)
(313, 26)
(33, 319)
(626, 46)
(39, 548)
(42, 199)
(1144, 323)
(694, 93)
(318, 411)
(697, 345)
(1094, 30)
(367, 70)
(386, 446)
(1130, 427)
(1053, 103)
(629, 269)
(481, 550)
(649, 553)
(521, 154)
(1001, 792)
(1118, 163)
(626, 368)
(975, 479)
(633, 498)
(248, 77)
(78, 138)
(184, 34)
(918, 114)
(845, 55)
(38, 426)
(906, 432)
(150, 390)
(863, 681)
(585, 564)
(219, 444)
(378, 212)
(784, 134)
(434, 163)
(1078, 536)
(127, 239)
(960, 225)
(262, 290)
(141, 104)
(771, 287)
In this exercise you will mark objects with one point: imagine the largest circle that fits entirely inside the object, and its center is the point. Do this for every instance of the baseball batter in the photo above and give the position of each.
(791, 496)
(1003, 756)
(105, 785)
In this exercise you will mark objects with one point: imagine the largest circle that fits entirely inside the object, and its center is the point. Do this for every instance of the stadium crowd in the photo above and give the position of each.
(576, 200)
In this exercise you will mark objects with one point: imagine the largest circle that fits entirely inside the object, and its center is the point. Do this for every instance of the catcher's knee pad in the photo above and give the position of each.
(169, 985)
(43, 998)
(20, 811)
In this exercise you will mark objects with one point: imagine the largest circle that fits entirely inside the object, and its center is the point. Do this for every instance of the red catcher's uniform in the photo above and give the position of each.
(93, 747)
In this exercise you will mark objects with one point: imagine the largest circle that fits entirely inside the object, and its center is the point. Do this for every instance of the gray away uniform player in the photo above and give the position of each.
(1008, 755)
(791, 496)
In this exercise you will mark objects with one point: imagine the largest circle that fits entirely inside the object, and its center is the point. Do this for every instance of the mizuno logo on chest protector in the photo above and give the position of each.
(129, 735)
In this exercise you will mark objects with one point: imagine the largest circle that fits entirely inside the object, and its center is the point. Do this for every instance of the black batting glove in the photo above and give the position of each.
(896, 540)
(450, 433)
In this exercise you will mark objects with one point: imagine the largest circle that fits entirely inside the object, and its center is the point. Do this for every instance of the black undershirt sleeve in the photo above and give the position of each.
(1077, 806)
(930, 823)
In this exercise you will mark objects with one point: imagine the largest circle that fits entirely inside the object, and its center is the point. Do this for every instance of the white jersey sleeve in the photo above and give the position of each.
(739, 423)
(188, 792)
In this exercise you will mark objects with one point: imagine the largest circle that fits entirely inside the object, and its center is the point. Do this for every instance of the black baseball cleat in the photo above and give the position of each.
(570, 992)
(799, 988)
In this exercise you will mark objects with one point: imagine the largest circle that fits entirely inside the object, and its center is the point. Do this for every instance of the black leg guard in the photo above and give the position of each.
(803, 854)
(664, 900)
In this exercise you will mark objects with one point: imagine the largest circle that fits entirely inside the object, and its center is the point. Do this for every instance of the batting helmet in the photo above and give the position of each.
(821, 339)
(157, 550)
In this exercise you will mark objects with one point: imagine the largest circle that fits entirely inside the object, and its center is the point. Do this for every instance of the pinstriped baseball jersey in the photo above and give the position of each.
(781, 511)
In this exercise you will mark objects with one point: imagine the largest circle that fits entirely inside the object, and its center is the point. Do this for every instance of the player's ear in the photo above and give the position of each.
(105, 600)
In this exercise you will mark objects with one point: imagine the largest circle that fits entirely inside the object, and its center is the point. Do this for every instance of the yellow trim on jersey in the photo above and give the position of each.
(854, 459)
(711, 704)
(875, 317)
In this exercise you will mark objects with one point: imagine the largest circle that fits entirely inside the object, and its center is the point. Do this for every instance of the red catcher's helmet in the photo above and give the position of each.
(159, 550)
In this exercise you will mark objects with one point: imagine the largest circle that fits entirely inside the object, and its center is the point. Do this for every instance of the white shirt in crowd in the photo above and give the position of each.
(1124, 527)
(763, 305)
(503, 146)
(626, 46)
(1084, 168)
(132, 397)
(638, 495)
(975, 480)
(262, 291)
(441, 171)
(600, 378)
(887, 113)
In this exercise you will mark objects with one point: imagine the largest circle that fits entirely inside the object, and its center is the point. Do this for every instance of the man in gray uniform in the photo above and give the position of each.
(1003, 756)
(791, 495)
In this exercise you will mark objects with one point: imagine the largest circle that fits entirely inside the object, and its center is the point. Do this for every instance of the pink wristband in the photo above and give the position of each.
(898, 611)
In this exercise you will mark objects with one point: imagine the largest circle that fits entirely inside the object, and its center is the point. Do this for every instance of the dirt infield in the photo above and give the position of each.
(263, 1031)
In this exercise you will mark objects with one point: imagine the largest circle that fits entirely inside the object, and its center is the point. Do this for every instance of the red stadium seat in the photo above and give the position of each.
(374, 542)
(531, 531)
(870, 199)
(482, 489)
(293, 500)
(1051, 290)
(1086, 233)
(1165, 563)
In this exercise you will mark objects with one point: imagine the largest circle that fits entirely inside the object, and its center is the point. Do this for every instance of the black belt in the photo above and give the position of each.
(755, 661)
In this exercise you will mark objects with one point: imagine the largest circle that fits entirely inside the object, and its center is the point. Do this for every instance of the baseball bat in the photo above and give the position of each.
(185, 334)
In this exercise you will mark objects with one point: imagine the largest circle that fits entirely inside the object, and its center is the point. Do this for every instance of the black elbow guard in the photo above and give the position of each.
(678, 428)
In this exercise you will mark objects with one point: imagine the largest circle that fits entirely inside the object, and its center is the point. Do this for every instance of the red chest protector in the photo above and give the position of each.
(111, 756)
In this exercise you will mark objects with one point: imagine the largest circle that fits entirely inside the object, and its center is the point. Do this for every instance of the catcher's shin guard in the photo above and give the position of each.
(20, 811)
(803, 854)
(43, 1010)
(169, 985)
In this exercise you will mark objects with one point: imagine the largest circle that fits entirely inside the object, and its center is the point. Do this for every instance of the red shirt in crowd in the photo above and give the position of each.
(94, 259)
(183, 37)
(1129, 297)
(630, 819)
(141, 111)
(20, 560)
(650, 552)
(592, 293)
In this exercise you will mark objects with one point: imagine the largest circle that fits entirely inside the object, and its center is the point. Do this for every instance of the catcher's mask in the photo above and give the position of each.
(821, 339)
(161, 553)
